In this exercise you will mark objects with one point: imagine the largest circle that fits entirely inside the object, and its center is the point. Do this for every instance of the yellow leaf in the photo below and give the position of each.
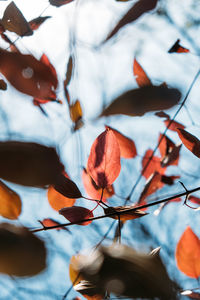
(76, 111)
(10, 202)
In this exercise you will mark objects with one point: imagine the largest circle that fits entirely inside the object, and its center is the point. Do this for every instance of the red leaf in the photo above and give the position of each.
(77, 213)
(194, 199)
(59, 2)
(177, 48)
(169, 151)
(153, 166)
(126, 145)
(188, 254)
(27, 74)
(50, 222)
(104, 159)
(190, 141)
(137, 10)
(174, 125)
(140, 75)
(35, 23)
(93, 190)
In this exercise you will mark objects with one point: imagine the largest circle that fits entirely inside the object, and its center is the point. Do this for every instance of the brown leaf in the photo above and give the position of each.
(188, 253)
(177, 48)
(59, 3)
(139, 101)
(169, 151)
(75, 214)
(3, 85)
(67, 187)
(13, 20)
(136, 11)
(104, 159)
(162, 114)
(35, 23)
(140, 76)
(124, 216)
(29, 164)
(69, 72)
(21, 252)
(27, 74)
(190, 141)
(126, 145)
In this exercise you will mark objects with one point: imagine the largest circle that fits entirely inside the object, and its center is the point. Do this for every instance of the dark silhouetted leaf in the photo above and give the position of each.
(76, 214)
(189, 141)
(35, 23)
(140, 76)
(169, 151)
(59, 3)
(27, 74)
(188, 253)
(124, 216)
(29, 164)
(21, 252)
(169, 179)
(126, 145)
(67, 187)
(13, 20)
(104, 159)
(3, 85)
(137, 10)
(177, 48)
(139, 101)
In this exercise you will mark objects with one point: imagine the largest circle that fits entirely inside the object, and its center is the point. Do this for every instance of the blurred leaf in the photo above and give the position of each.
(29, 164)
(3, 85)
(162, 114)
(169, 151)
(69, 72)
(194, 199)
(59, 3)
(67, 187)
(12, 46)
(174, 125)
(104, 159)
(88, 290)
(13, 20)
(124, 216)
(188, 253)
(27, 74)
(50, 222)
(189, 141)
(57, 200)
(126, 145)
(177, 48)
(76, 111)
(140, 76)
(137, 10)
(35, 23)
(145, 99)
(75, 214)
(10, 202)
(153, 166)
(21, 252)
(74, 275)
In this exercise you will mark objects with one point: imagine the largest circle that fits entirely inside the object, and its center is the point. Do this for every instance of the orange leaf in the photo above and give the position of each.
(169, 152)
(190, 141)
(57, 200)
(35, 23)
(153, 166)
(126, 145)
(76, 111)
(174, 125)
(74, 268)
(77, 213)
(27, 74)
(124, 216)
(140, 75)
(188, 254)
(10, 202)
(93, 190)
(59, 2)
(50, 222)
(177, 48)
(104, 159)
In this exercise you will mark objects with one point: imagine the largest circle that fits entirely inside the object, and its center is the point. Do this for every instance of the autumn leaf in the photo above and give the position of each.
(173, 125)
(21, 252)
(136, 11)
(145, 99)
(140, 76)
(169, 151)
(76, 114)
(3, 85)
(124, 216)
(59, 3)
(35, 23)
(162, 114)
(188, 253)
(69, 72)
(13, 20)
(57, 200)
(27, 74)
(93, 190)
(189, 141)
(104, 159)
(67, 187)
(75, 214)
(48, 222)
(29, 164)
(154, 164)
(177, 48)
(194, 199)
(126, 145)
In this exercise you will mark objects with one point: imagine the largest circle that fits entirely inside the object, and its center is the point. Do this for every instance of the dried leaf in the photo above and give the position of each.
(126, 145)
(67, 187)
(188, 253)
(35, 23)
(189, 141)
(10, 202)
(59, 3)
(177, 48)
(27, 74)
(153, 166)
(3, 85)
(124, 216)
(21, 252)
(174, 125)
(29, 164)
(139, 101)
(13, 20)
(93, 190)
(140, 76)
(50, 222)
(136, 11)
(75, 214)
(104, 159)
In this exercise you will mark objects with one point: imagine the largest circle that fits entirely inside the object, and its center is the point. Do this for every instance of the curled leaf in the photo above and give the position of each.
(76, 214)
